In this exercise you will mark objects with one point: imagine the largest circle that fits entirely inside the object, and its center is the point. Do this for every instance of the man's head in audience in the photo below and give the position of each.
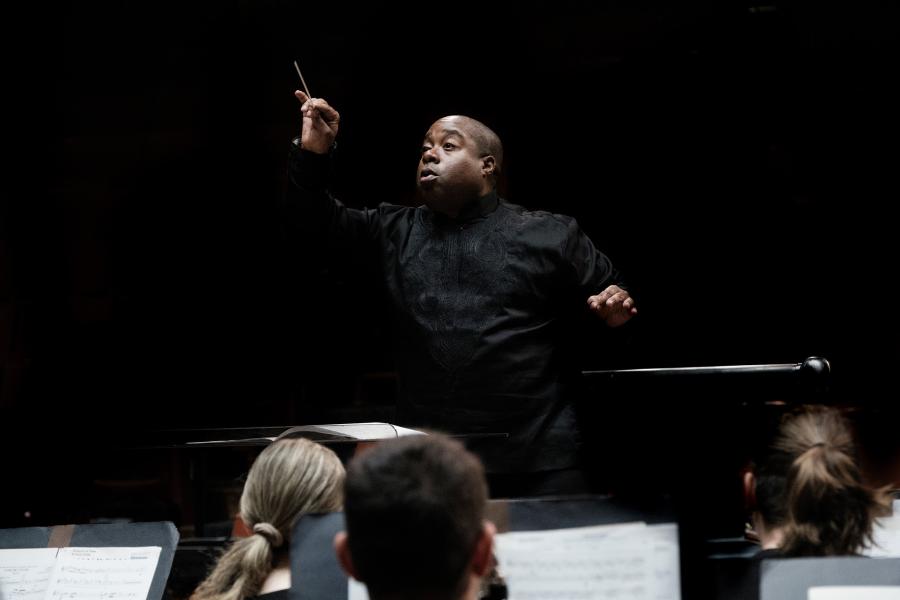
(415, 520)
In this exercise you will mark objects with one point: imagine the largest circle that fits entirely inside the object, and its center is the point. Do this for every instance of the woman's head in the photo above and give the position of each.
(290, 478)
(809, 486)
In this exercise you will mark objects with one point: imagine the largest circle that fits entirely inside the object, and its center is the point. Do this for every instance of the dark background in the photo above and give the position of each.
(736, 160)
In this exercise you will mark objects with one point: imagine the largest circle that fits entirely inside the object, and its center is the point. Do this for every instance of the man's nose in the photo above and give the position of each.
(430, 156)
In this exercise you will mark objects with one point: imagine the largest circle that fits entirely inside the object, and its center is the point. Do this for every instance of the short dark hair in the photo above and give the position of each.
(415, 510)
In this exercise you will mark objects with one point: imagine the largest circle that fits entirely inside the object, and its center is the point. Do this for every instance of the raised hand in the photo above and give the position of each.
(320, 123)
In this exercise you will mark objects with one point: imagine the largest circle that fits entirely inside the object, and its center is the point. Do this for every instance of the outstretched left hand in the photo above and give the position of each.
(614, 305)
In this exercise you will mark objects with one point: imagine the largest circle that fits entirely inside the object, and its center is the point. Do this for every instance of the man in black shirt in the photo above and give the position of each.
(478, 290)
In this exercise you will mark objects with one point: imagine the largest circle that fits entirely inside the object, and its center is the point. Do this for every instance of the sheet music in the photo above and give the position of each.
(584, 563)
(103, 573)
(368, 431)
(624, 561)
(78, 573)
(25, 573)
(666, 575)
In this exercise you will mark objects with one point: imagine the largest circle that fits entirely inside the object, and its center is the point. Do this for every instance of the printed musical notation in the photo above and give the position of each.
(77, 573)
(627, 561)
(25, 574)
(607, 562)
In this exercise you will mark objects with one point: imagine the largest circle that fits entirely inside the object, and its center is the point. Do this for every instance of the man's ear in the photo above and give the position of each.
(342, 549)
(749, 490)
(483, 559)
(488, 165)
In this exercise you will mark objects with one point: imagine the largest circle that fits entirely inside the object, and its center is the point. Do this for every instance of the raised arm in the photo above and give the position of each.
(310, 208)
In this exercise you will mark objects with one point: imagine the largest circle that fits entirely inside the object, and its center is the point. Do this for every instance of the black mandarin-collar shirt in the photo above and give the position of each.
(478, 306)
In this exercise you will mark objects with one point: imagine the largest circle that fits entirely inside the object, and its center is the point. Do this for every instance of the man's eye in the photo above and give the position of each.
(425, 149)
(449, 146)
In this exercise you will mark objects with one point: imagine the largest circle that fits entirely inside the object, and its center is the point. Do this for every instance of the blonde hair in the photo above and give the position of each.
(290, 478)
(829, 510)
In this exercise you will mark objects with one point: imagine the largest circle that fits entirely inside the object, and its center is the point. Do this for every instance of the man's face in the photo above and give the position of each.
(451, 170)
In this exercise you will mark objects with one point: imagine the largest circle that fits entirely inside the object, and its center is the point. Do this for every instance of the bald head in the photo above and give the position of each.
(486, 141)
(459, 163)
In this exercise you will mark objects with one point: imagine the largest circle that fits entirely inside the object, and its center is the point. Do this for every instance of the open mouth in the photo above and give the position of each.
(427, 175)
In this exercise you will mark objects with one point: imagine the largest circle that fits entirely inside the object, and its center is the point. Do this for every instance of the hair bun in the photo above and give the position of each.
(268, 531)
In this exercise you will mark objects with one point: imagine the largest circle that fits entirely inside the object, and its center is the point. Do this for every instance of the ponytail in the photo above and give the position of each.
(829, 510)
(240, 572)
(290, 478)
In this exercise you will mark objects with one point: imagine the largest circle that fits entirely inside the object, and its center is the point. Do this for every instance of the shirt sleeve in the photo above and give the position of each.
(311, 210)
(592, 271)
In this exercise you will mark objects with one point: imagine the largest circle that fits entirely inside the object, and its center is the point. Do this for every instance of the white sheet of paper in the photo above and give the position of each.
(856, 592)
(369, 431)
(630, 560)
(666, 575)
(356, 590)
(886, 535)
(25, 572)
(107, 573)
(583, 563)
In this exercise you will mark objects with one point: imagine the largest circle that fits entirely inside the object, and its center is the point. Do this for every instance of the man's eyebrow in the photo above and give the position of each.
(447, 133)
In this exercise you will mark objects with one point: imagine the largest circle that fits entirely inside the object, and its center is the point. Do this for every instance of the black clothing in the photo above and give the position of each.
(478, 304)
